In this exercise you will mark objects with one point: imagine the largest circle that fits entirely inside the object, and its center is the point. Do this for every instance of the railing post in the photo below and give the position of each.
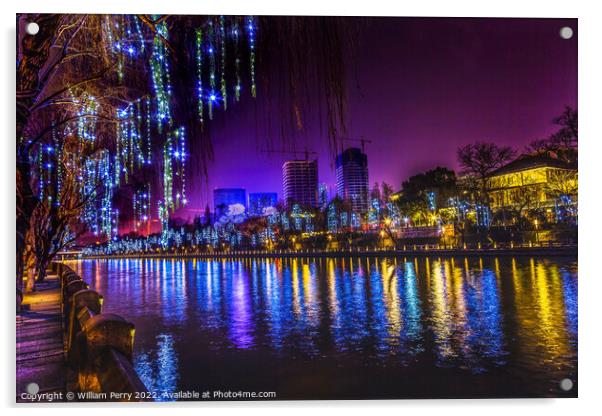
(88, 299)
(99, 346)
(103, 336)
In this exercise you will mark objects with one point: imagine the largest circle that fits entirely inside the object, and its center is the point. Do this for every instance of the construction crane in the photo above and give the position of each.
(362, 140)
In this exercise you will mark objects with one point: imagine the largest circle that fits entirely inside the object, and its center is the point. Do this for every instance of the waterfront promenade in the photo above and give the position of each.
(40, 346)
(405, 251)
(66, 345)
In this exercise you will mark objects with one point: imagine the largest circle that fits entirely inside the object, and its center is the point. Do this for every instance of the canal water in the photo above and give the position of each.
(349, 328)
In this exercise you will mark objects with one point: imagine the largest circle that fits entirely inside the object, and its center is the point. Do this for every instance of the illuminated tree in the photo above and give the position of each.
(56, 225)
(122, 83)
(563, 186)
(423, 196)
(54, 68)
(522, 200)
(480, 160)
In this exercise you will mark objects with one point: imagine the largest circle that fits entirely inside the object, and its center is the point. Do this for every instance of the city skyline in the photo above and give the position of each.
(437, 83)
(352, 184)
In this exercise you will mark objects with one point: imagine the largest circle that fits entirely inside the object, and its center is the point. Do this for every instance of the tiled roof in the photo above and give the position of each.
(526, 162)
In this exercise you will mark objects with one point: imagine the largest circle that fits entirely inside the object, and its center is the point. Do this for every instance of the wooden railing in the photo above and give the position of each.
(99, 345)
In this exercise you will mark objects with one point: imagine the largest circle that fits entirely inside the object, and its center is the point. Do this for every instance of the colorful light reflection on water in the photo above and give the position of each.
(343, 328)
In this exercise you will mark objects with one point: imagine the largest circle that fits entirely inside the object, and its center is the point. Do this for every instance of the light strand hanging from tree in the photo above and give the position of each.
(174, 170)
(199, 73)
(160, 76)
(126, 38)
(134, 138)
(123, 139)
(236, 35)
(180, 157)
(251, 34)
(211, 42)
(89, 188)
(148, 137)
(119, 47)
(163, 212)
(141, 202)
(139, 34)
(211, 51)
(108, 219)
(168, 202)
(139, 142)
(222, 41)
(86, 123)
(41, 173)
(57, 148)
(97, 191)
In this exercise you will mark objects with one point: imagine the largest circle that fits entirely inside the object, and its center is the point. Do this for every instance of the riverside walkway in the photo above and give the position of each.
(409, 251)
(40, 345)
(66, 345)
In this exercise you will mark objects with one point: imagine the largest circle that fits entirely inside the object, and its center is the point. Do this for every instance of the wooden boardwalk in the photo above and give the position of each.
(40, 345)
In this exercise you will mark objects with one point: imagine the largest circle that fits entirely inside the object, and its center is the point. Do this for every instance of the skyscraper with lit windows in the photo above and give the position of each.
(300, 183)
(352, 178)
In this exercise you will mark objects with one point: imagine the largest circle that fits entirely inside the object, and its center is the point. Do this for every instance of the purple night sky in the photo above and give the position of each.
(420, 88)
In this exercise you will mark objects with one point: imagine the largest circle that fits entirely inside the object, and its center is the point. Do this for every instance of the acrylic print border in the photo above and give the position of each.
(344, 259)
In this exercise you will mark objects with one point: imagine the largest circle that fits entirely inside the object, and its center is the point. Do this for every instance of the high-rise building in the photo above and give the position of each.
(224, 198)
(259, 201)
(300, 180)
(352, 178)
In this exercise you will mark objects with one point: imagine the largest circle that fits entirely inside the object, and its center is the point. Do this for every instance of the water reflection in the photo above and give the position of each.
(478, 316)
(240, 320)
(158, 367)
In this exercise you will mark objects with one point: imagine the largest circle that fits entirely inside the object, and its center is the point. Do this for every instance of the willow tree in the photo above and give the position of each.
(66, 93)
(112, 101)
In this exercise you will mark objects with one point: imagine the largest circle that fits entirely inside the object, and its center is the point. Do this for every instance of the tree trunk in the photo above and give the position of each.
(41, 270)
(31, 274)
(26, 203)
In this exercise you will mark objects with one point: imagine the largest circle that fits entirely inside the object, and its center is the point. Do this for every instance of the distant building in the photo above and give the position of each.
(352, 178)
(535, 181)
(300, 180)
(323, 195)
(259, 201)
(223, 198)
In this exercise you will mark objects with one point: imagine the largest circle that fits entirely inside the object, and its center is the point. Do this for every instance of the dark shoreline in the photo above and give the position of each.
(566, 251)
